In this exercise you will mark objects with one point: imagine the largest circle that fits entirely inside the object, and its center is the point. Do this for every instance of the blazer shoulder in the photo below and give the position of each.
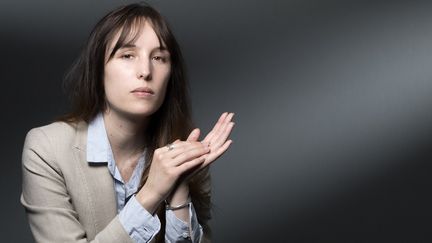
(53, 142)
(56, 134)
(59, 128)
(56, 128)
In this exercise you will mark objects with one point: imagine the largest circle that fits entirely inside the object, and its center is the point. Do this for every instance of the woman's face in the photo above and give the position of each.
(136, 77)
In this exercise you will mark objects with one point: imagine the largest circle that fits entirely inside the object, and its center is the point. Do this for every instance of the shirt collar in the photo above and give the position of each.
(98, 149)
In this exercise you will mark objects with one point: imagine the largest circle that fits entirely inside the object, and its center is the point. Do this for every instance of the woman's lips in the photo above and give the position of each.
(143, 92)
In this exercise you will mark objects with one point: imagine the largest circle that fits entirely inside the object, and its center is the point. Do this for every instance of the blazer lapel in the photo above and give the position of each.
(99, 183)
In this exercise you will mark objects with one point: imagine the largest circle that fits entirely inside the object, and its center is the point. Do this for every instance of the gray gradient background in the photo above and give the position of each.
(333, 106)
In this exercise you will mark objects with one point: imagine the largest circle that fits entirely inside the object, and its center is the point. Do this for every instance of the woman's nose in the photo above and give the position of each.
(144, 70)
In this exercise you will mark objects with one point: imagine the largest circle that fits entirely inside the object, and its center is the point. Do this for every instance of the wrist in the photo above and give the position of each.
(179, 195)
(148, 199)
(170, 206)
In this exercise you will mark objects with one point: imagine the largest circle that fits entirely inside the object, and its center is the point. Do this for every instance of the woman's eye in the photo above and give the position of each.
(159, 58)
(127, 56)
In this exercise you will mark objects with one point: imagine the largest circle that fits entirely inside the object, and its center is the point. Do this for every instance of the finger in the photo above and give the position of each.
(190, 155)
(221, 150)
(221, 122)
(194, 171)
(171, 150)
(194, 135)
(189, 165)
(223, 136)
(181, 147)
(217, 126)
(223, 126)
(176, 144)
(210, 158)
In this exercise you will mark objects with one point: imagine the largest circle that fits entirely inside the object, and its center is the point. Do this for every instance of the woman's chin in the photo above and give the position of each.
(140, 114)
(133, 113)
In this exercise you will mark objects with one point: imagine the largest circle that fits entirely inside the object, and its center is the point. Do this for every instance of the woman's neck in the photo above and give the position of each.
(125, 134)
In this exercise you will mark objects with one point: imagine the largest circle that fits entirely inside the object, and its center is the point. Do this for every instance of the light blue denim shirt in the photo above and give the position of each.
(140, 224)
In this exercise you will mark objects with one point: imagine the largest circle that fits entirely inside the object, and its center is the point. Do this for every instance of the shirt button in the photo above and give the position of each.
(185, 235)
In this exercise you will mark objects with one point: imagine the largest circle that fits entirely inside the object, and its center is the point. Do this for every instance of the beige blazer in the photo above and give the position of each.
(66, 199)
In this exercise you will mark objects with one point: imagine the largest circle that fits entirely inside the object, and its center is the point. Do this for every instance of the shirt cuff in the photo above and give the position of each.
(138, 223)
(178, 231)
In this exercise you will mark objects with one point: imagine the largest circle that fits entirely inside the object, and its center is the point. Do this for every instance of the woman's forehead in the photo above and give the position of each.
(128, 34)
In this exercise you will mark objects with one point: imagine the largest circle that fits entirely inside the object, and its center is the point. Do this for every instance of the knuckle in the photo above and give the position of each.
(172, 173)
(190, 154)
(182, 149)
(181, 157)
(165, 166)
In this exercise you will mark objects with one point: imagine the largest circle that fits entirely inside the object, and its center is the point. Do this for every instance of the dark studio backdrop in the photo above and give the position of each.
(333, 103)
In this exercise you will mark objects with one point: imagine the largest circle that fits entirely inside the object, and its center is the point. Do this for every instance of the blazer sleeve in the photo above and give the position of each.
(48, 206)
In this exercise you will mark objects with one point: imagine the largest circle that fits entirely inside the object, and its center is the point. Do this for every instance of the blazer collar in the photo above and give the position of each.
(80, 142)
(98, 180)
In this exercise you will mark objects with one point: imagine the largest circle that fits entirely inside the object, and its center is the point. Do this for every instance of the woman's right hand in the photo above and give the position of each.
(166, 168)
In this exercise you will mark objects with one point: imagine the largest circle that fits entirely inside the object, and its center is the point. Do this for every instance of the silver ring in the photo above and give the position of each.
(170, 146)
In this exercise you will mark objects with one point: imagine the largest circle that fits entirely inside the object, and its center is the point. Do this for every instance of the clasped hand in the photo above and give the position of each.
(186, 158)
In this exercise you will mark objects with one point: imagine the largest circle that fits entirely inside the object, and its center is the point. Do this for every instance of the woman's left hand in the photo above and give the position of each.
(217, 139)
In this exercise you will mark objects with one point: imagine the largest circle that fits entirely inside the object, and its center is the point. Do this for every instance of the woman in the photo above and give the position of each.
(125, 164)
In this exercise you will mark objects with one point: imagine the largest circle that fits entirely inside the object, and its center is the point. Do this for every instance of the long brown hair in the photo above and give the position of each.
(171, 121)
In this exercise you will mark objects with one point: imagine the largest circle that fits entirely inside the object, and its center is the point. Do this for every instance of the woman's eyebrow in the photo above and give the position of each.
(160, 49)
(127, 45)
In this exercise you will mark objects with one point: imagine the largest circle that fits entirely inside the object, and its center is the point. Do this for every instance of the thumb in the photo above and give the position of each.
(194, 135)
